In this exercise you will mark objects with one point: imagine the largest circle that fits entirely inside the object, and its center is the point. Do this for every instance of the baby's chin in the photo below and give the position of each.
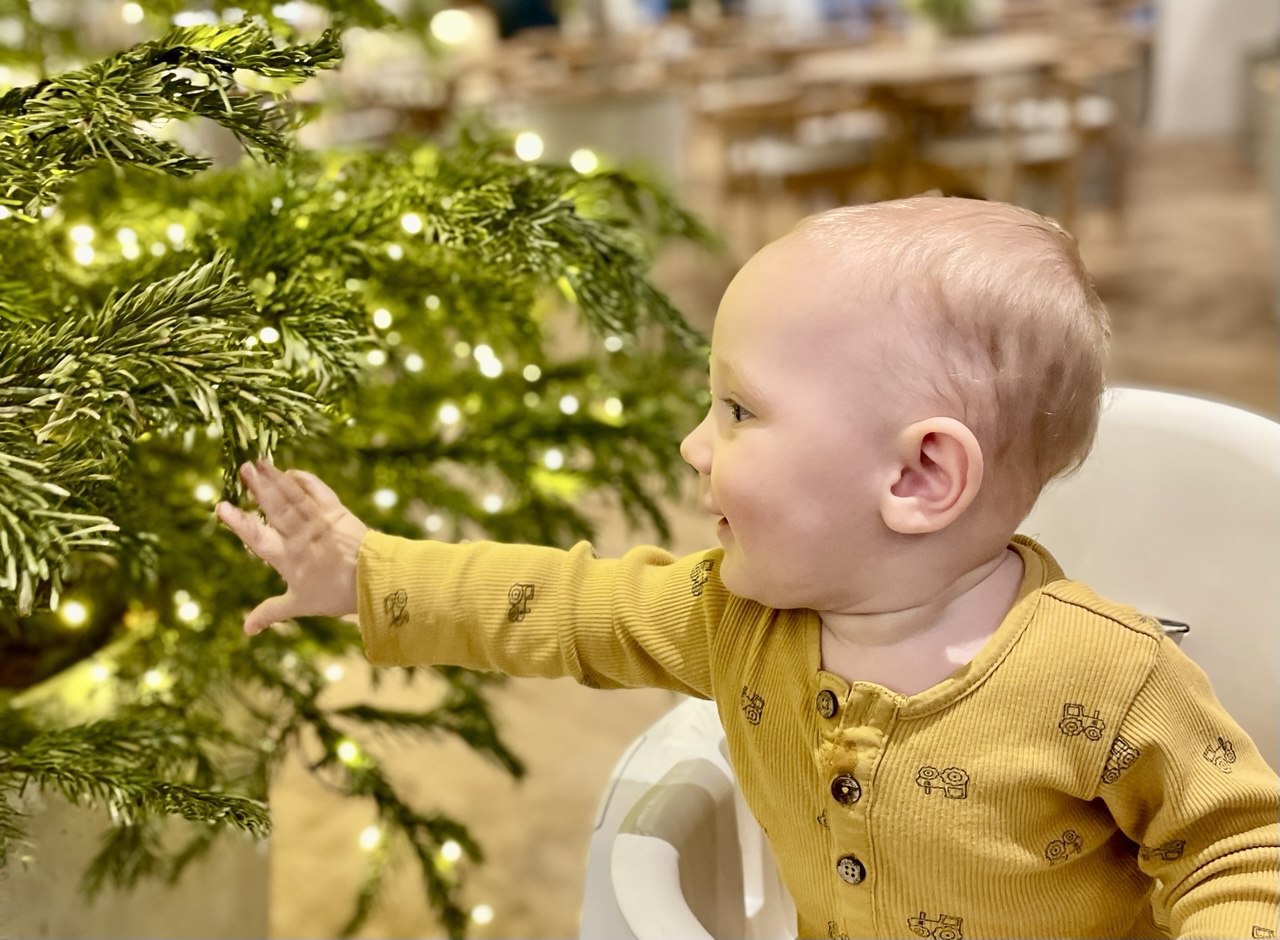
(742, 583)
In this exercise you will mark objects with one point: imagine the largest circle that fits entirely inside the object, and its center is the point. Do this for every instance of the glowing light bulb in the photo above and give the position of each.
(613, 343)
(413, 362)
(382, 318)
(73, 613)
(81, 234)
(269, 334)
(451, 851)
(569, 405)
(195, 18)
(205, 493)
(449, 414)
(452, 27)
(334, 671)
(492, 503)
(531, 373)
(613, 407)
(348, 752)
(482, 914)
(385, 498)
(370, 838)
(188, 611)
(584, 161)
(376, 357)
(411, 222)
(131, 13)
(528, 146)
(84, 254)
(553, 459)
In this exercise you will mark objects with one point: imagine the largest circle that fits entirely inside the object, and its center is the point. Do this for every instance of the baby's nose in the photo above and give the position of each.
(696, 448)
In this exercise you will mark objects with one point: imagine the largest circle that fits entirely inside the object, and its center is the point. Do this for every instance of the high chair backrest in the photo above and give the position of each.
(1176, 512)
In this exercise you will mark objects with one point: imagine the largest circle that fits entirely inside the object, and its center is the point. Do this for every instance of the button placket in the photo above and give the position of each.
(864, 718)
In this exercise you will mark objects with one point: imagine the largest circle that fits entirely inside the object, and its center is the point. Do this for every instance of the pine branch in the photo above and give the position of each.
(36, 537)
(124, 764)
(58, 128)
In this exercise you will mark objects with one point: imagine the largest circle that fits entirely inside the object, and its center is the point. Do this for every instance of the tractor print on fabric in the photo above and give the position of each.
(518, 598)
(1074, 722)
(943, 927)
(953, 782)
(700, 574)
(1121, 758)
(1222, 755)
(1167, 851)
(1260, 933)
(752, 705)
(1061, 849)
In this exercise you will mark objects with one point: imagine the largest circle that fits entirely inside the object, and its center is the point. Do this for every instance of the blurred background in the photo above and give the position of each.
(1146, 128)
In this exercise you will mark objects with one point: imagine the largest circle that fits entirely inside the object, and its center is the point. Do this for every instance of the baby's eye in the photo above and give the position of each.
(736, 411)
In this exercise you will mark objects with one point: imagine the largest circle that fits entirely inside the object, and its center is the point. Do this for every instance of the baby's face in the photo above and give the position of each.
(800, 438)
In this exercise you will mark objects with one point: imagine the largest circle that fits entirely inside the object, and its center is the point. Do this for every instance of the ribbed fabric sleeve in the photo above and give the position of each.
(1202, 804)
(644, 620)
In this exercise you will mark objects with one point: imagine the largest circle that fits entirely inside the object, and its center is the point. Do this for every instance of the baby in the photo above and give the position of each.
(939, 733)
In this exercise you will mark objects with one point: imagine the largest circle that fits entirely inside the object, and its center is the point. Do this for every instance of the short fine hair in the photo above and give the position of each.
(1002, 322)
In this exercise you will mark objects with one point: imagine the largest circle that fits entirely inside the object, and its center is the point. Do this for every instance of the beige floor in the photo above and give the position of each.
(1192, 292)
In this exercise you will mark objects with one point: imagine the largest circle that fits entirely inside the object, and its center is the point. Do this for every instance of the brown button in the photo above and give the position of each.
(846, 790)
(850, 870)
(827, 703)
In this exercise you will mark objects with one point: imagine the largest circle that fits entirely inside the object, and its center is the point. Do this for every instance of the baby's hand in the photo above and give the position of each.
(309, 537)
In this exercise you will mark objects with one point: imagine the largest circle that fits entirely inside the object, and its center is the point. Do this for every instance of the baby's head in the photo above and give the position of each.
(888, 371)
(992, 314)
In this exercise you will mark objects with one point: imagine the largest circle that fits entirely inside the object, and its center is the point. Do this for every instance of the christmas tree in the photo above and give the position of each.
(404, 321)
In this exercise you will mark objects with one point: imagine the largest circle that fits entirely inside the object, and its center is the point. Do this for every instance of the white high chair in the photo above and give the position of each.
(1177, 512)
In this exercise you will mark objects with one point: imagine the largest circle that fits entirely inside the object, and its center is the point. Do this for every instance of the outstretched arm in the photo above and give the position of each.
(307, 535)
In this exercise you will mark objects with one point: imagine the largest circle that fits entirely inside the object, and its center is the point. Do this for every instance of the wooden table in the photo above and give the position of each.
(900, 64)
(925, 90)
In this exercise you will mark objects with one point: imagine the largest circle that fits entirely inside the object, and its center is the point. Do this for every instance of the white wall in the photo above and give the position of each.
(1198, 62)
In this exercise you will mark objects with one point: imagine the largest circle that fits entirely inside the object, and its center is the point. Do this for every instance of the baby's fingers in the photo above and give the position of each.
(272, 610)
(317, 489)
(283, 500)
(256, 535)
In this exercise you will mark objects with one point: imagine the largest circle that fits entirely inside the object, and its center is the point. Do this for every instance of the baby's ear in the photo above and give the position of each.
(938, 476)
